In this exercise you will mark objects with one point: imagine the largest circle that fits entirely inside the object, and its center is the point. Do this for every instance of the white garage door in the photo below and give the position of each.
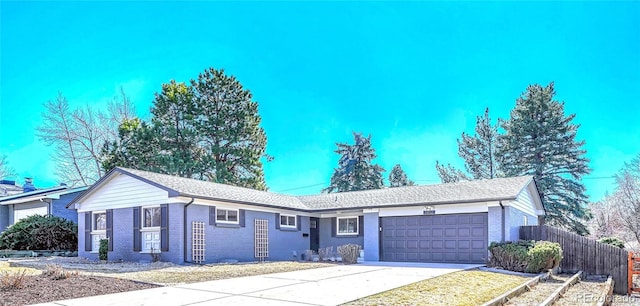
(23, 213)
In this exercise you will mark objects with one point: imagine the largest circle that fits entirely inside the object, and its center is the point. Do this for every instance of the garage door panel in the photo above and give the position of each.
(478, 244)
(456, 238)
(437, 232)
(412, 232)
(412, 244)
(450, 232)
(436, 244)
(424, 233)
(478, 231)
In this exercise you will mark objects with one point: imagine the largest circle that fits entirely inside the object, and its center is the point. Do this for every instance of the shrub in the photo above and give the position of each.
(56, 272)
(103, 251)
(525, 256)
(349, 253)
(544, 255)
(15, 280)
(40, 233)
(510, 255)
(155, 255)
(325, 253)
(616, 242)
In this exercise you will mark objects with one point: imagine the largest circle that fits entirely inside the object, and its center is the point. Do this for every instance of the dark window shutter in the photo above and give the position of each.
(164, 227)
(361, 226)
(241, 217)
(277, 221)
(110, 228)
(298, 222)
(212, 215)
(137, 236)
(87, 231)
(334, 225)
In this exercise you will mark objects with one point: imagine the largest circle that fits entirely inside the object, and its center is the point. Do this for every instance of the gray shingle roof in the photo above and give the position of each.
(461, 192)
(202, 189)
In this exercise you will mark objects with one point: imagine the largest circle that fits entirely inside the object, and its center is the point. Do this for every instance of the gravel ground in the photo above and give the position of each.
(541, 291)
(586, 292)
(42, 289)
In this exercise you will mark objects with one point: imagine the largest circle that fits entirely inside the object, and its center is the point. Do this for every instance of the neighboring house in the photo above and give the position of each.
(47, 201)
(9, 187)
(195, 221)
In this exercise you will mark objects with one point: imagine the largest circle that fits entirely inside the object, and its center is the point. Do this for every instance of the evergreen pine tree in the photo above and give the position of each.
(398, 178)
(478, 152)
(355, 169)
(540, 140)
(209, 131)
(449, 173)
(173, 120)
(229, 124)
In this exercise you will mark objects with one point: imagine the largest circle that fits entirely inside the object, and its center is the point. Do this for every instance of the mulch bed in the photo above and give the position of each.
(42, 289)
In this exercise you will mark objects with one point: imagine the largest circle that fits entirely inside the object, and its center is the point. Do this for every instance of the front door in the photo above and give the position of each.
(314, 233)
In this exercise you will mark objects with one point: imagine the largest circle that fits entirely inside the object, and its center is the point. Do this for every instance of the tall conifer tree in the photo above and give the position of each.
(398, 178)
(355, 168)
(540, 140)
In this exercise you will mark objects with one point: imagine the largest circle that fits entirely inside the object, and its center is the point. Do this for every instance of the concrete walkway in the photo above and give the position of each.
(323, 286)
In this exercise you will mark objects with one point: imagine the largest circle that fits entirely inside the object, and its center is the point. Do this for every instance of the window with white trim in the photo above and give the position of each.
(347, 226)
(288, 221)
(227, 215)
(151, 222)
(525, 221)
(98, 229)
(151, 217)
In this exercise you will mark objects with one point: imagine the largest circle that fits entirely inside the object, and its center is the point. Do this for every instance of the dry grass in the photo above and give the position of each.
(460, 288)
(191, 274)
(5, 267)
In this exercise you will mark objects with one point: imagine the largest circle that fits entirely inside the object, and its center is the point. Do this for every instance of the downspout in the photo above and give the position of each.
(49, 205)
(502, 225)
(186, 228)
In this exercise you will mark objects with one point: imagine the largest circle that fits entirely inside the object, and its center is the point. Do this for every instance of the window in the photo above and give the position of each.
(525, 221)
(227, 215)
(347, 226)
(287, 221)
(99, 221)
(98, 229)
(151, 217)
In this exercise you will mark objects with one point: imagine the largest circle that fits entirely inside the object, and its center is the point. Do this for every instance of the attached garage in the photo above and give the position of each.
(453, 238)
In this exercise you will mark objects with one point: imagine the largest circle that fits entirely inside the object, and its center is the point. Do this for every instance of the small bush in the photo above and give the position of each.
(155, 255)
(525, 256)
(349, 253)
(103, 251)
(325, 253)
(40, 233)
(510, 255)
(56, 272)
(15, 280)
(616, 242)
(544, 255)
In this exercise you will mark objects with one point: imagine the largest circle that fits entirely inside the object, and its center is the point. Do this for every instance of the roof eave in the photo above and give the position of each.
(416, 204)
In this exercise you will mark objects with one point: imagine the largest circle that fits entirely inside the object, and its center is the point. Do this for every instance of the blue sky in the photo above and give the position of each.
(413, 75)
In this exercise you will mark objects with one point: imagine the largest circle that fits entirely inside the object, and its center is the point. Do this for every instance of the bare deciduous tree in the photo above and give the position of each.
(5, 169)
(79, 135)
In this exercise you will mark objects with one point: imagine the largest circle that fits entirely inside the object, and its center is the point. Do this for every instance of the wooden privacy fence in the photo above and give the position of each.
(581, 253)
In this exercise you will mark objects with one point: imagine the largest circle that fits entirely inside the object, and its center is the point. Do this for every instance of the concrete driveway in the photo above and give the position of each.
(323, 286)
